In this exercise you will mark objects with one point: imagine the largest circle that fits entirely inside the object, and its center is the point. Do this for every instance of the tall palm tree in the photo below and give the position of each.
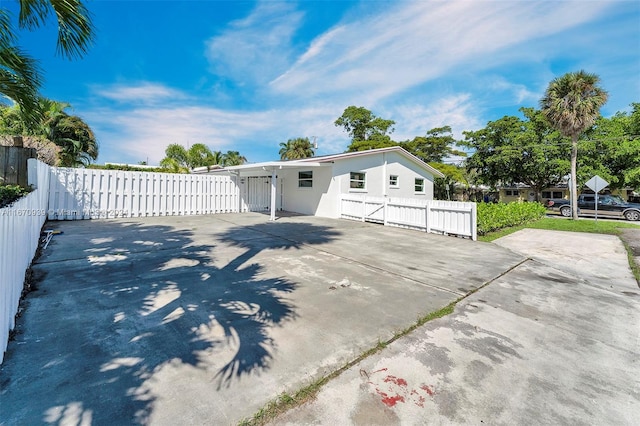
(20, 76)
(295, 149)
(572, 104)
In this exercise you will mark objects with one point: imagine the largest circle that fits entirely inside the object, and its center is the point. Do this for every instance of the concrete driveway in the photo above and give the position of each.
(555, 341)
(204, 319)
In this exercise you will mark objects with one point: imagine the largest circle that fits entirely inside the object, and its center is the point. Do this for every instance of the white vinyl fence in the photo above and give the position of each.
(92, 194)
(436, 216)
(20, 226)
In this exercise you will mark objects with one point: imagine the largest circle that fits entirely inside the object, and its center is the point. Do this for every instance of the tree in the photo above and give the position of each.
(74, 137)
(435, 146)
(199, 155)
(611, 149)
(295, 149)
(572, 104)
(362, 125)
(233, 158)
(20, 76)
(178, 159)
(514, 150)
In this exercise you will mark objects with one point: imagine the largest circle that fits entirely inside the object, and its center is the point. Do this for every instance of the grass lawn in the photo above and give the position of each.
(561, 224)
(611, 227)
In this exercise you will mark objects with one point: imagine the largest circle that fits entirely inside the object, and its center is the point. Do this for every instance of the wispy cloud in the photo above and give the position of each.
(143, 92)
(421, 41)
(255, 48)
(424, 64)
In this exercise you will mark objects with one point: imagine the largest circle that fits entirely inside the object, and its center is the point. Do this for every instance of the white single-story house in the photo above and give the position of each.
(314, 185)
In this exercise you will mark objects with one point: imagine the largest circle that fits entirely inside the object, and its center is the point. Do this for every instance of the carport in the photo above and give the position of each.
(273, 171)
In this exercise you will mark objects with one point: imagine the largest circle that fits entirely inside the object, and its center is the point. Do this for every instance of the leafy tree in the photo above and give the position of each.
(20, 76)
(572, 104)
(436, 145)
(453, 175)
(515, 150)
(176, 155)
(611, 149)
(295, 149)
(362, 125)
(76, 140)
(74, 137)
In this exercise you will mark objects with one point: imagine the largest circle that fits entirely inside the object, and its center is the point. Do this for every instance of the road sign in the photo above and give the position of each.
(596, 183)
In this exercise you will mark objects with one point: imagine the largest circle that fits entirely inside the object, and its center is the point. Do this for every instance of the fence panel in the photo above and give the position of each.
(444, 217)
(98, 194)
(20, 226)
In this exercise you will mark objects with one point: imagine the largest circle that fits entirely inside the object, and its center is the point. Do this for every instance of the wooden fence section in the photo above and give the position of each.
(13, 164)
(92, 194)
(20, 226)
(436, 216)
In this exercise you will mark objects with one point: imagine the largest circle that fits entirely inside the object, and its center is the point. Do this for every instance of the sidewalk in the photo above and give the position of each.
(555, 339)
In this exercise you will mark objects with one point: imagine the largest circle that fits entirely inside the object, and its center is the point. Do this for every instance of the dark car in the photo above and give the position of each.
(608, 206)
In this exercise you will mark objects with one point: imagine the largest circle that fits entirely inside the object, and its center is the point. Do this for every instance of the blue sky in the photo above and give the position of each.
(246, 76)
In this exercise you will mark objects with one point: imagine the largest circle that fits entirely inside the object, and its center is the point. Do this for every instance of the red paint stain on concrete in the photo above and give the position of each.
(396, 380)
(428, 390)
(395, 389)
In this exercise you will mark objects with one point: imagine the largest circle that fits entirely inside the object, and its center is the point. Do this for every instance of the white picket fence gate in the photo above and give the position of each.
(436, 216)
(94, 194)
(20, 226)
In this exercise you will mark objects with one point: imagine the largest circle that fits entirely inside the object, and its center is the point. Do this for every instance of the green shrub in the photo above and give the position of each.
(492, 217)
(10, 193)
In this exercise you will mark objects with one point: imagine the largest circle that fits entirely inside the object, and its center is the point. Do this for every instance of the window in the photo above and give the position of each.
(550, 194)
(511, 192)
(305, 179)
(419, 185)
(357, 180)
(393, 181)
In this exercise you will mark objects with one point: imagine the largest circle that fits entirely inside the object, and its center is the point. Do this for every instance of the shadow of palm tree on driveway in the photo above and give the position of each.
(148, 299)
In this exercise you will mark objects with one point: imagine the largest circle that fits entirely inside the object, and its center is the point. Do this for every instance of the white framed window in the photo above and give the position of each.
(511, 192)
(419, 185)
(393, 181)
(357, 180)
(305, 179)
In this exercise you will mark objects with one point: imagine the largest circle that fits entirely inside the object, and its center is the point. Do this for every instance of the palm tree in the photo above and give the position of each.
(572, 104)
(295, 149)
(233, 158)
(20, 76)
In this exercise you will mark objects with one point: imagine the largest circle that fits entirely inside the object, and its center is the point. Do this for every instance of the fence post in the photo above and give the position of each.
(364, 208)
(427, 213)
(474, 221)
(385, 211)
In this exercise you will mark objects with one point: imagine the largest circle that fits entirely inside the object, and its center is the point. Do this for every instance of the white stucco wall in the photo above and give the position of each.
(328, 182)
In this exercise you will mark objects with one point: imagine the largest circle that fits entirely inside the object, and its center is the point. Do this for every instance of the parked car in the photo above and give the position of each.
(608, 206)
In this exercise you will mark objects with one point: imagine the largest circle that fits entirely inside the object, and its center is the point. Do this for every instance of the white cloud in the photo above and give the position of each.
(258, 47)
(414, 42)
(142, 92)
(519, 92)
(456, 111)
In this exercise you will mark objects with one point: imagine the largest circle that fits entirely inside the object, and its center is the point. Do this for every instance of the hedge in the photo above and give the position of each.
(492, 217)
(10, 193)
